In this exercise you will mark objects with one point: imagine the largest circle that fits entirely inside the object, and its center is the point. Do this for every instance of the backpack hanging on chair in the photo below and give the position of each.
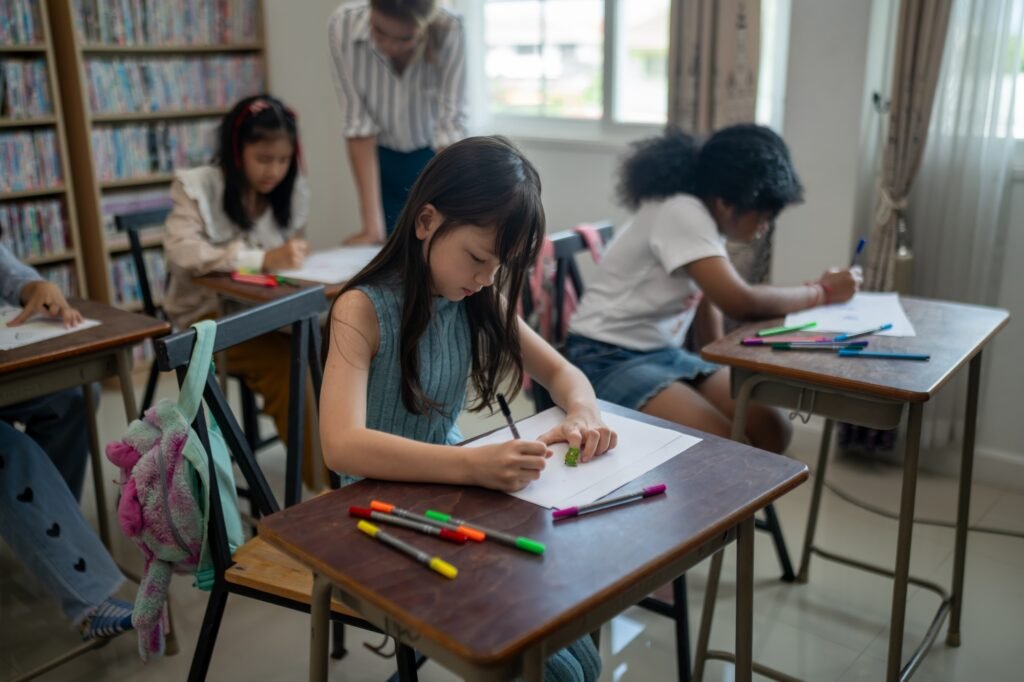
(165, 504)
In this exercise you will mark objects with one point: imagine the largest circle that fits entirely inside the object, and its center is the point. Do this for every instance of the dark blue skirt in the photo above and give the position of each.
(631, 377)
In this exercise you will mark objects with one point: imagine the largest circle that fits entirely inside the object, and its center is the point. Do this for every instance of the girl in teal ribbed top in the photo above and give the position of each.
(435, 310)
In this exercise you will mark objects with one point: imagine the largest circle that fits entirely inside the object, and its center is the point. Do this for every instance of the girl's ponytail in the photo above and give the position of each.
(657, 168)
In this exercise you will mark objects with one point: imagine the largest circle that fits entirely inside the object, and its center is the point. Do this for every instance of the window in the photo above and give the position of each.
(546, 58)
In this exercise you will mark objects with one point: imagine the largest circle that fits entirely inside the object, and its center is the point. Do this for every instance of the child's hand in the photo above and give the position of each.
(585, 430)
(47, 299)
(291, 254)
(841, 285)
(509, 466)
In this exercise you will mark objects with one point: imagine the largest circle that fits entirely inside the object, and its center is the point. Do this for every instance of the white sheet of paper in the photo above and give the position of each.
(864, 311)
(333, 266)
(641, 448)
(34, 330)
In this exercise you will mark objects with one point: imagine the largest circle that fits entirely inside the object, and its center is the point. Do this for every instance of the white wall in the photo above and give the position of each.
(300, 73)
(825, 91)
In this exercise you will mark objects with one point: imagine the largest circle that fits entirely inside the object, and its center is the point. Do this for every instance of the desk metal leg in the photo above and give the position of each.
(707, 615)
(124, 373)
(320, 628)
(745, 601)
(964, 504)
(96, 461)
(533, 664)
(904, 537)
(819, 484)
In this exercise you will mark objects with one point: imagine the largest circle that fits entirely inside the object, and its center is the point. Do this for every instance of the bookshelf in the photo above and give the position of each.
(38, 216)
(144, 86)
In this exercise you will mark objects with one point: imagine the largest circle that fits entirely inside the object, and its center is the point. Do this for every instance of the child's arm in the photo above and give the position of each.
(724, 287)
(707, 323)
(583, 427)
(350, 447)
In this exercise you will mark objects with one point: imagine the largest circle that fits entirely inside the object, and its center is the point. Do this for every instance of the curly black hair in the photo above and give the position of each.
(747, 166)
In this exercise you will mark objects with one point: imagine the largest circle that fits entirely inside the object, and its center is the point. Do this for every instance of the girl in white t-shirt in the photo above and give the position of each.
(669, 270)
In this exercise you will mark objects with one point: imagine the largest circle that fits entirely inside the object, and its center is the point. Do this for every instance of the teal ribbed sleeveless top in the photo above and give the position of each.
(445, 357)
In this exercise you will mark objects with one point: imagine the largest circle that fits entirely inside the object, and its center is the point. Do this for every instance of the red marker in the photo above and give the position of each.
(444, 533)
(262, 280)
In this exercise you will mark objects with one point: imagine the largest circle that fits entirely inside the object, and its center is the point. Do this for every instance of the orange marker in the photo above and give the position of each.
(387, 508)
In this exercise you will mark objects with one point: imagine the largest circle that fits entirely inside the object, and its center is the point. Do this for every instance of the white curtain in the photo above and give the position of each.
(958, 196)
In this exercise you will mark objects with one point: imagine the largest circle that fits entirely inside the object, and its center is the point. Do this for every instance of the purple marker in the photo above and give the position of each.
(610, 502)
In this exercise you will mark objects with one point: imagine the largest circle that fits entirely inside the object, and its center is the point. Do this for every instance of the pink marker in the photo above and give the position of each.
(767, 341)
(610, 502)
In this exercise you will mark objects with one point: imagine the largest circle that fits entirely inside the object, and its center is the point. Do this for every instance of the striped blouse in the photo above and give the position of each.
(424, 106)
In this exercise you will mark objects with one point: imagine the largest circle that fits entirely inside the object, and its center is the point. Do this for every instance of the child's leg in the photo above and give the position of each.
(683, 404)
(578, 662)
(43, 524)
(767, 427)
(265, 366)
(57, 423)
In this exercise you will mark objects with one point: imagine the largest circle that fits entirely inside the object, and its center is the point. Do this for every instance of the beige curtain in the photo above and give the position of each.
(713, 63)
(921, 35)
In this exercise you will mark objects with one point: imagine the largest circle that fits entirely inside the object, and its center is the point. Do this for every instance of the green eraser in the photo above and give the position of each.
(572, 457)
(436, 515)
(530, 545)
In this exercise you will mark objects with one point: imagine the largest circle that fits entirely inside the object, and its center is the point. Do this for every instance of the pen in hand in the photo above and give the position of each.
(508, 416)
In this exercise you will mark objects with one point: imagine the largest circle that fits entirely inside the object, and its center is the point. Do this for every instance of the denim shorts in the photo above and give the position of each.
(631, 377)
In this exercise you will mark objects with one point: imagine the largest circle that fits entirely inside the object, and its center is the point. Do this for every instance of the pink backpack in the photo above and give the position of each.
(542, 287)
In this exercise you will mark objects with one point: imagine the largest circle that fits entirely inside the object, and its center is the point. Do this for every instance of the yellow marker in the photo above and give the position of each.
(434, 563)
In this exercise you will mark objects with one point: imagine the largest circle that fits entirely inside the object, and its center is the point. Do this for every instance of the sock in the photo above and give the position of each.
(110, 618)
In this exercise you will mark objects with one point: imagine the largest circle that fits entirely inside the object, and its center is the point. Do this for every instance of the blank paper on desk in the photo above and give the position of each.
(865, 310)
(37, 329)
(333, 266)
(641, 447)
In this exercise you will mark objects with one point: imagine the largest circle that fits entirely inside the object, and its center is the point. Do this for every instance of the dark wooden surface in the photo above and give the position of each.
(951, 333)
(503, 599)
(223, 285)
(118, 328)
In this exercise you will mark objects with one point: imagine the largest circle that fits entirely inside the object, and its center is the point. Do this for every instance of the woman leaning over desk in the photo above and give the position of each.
(399, 69)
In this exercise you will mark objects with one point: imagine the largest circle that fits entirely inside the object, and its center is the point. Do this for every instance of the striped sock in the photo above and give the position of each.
(110, 618)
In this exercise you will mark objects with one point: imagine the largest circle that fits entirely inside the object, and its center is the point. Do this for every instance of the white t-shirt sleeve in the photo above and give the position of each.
(684, 232)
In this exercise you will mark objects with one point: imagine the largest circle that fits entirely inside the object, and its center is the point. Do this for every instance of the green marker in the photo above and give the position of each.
(287, 280)
(773, 331)
(572, 457)
(525, 544)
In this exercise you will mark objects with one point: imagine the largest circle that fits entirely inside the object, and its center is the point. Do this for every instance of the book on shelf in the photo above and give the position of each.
(24, 89)
(124, 202)
(123, 152)
(127, 291)
(29, 160)
(32, 229)
(153, 84)
(166, 22)
(20, 22)
(63, 275)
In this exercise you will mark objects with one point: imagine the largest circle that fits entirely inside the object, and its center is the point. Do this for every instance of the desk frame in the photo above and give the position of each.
(872, 412)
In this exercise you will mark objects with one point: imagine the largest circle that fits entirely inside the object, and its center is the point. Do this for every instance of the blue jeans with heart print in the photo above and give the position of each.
(41, 521)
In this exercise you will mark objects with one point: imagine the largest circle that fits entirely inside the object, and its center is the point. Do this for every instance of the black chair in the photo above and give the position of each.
(567, 244)
(132, 224)
(257, 570)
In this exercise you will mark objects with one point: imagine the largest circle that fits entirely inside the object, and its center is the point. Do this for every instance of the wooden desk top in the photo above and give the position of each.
(503, 599)
(119, 328)
(223, 285)
(951, 333)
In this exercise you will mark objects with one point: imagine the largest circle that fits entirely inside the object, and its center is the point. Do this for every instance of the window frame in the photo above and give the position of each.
(602, 132)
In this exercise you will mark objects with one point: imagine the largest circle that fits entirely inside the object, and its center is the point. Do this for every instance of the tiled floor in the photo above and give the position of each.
(834, 628)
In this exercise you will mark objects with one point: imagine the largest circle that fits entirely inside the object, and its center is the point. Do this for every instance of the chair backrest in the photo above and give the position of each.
(299, 311)
(566, 246)
(132, 224)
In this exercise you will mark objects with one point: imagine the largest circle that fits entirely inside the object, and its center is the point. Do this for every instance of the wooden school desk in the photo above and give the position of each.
(78, 359)
(508, 610)
(874, 393)
(240, 294)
